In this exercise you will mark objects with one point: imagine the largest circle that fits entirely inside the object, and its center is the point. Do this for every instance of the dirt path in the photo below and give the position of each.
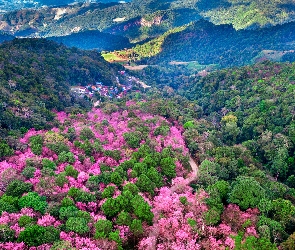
(194, 166)
(191, 178)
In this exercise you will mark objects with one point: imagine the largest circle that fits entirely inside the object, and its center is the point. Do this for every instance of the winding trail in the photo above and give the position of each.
(193, 176)
(195, 169)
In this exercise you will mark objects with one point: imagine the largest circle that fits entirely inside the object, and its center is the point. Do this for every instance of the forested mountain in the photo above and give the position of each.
(207, 43)
(139, 21)
(93, 40)
(36, 76)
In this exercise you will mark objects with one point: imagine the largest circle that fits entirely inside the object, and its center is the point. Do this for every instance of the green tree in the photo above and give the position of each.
(116, 178)
(17, 188)
(168, 167)
(36, 235)
(77, 224)
(33, 200)
(246, 192)
(144, 184)
(6, 234)
(102, 229)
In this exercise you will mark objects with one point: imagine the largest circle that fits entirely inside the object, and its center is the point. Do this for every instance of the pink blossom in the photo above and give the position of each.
(48, 220)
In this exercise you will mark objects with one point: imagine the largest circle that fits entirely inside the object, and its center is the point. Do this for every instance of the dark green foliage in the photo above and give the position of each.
(162, 130)
(115, 236)
(116, 178)
(103, 229)
(132, 188)
(115, 154)
(254, 243)
(111, 207)
(155, 176)
(67, 212)
(183, 200)
(80, 195)
(6, 234)
(127, 164)
(66, 157)
(61, 179)
(136, 227)
(58, 147)
(144, 184)
(36, 235)
(42, 72)
(141, 209)
(108, 192)
(36, 144)
(168, 167)
(33, 200)
(17, 188)
(86, 133)
(25, 221)
(8, 204)
(77, 225)
(67, 201)
(70, 171)
(28, 172)
(246, 192)
(5, 150)
(124, 218)
(133, 139)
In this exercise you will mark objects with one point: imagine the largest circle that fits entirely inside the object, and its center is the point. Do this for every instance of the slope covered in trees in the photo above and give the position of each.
(36, 76)
(93, 40)
(117, 178)
(207, 43)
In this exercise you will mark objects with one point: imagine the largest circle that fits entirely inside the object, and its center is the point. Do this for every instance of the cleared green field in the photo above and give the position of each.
(111, 57)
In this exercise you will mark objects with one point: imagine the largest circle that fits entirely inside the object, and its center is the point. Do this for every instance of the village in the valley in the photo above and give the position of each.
(101, 90)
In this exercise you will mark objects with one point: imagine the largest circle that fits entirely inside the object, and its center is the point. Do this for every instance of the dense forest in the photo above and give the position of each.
(198, 153)
(207, 43)
(35, 78)
(93, 40)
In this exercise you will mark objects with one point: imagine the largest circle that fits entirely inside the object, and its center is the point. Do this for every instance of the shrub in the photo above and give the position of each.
(86, 133)
(66, 157)
(77, 225)
(33, 200)
(36, 144)
(162, 130)
(17, 188)
(80, 195)
(67, 212)
(67, 201)
(46, 163)
(58, 147)
(103, 229)
(133, 139)
(29, 172)
(61, 179)
(246, 192)
(116, 178)
(124, 218)
(6, 234)
(5, 150)
(8, 204)
(36, 235)
(25, 221)
(108, 192)
(115, 154)
(70, 171)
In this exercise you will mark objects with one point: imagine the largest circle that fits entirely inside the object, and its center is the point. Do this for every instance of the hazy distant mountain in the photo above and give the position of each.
(207, 44)
(138, 20)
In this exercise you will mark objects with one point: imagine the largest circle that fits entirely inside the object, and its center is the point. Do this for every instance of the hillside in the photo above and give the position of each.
(118, 178)
(207, 43)
(36, 76)
(93, 40)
